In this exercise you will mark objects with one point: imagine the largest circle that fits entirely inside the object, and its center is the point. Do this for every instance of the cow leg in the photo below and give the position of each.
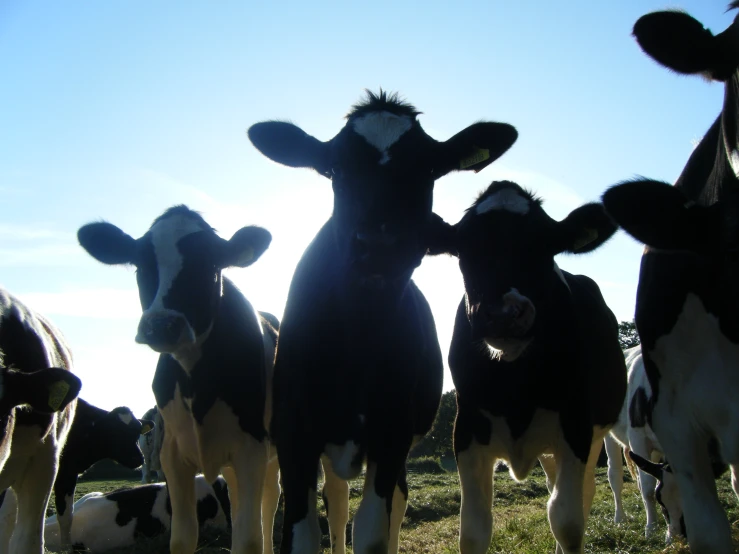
(550, 470)
(371, 529)
(250, 464)
(615, 475)
(64, 487)
(735, 479)
(33, 489)
(8, 516)
(566, 503)
(270, 500)
(705, 520)
(475, 466)
(181, 487)
(301, 533)
(336, 500)
(647, 484)
(400, 503)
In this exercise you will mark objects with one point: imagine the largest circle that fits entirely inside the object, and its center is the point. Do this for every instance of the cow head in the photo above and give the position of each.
(178, 262)
(666, 493)
(382, 166)
(117, 434)
(506, 245)
(670, 219)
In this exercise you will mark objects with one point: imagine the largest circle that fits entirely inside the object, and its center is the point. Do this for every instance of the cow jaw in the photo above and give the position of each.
(506, 349)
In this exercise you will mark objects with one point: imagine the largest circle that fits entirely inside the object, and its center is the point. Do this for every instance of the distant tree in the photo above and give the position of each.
(627, 335)
(438, 442)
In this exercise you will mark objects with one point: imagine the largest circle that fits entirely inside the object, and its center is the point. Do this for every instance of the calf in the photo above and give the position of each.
(356, 332)
(211, 381)
(31, 441)
(95, 435)
(687, 299)
(119, 519)
(151, 445)
(534, 356)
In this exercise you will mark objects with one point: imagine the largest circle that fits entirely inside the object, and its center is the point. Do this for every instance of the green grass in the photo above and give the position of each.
(431, 525)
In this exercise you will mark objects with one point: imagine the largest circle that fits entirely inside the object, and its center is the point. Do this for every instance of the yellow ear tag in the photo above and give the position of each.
(480, 155)
(57, 393)
(246, 256)
(145, 428)
(588, 236)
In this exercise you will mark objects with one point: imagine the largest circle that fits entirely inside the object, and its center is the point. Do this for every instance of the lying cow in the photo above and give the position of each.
(687, 301)
(151, 444)
(118, 519)
(535, 359)
(213, 376)
(29, 460)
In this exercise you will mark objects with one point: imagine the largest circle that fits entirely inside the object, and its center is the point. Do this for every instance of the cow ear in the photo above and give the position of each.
(246, 246)
(681, 43)
(441, 237)
(475, 147)
(107, 243)
(647, 466)
(288, 144)
(146, 426)
(661, 216)
(584, 230)
(48, 390)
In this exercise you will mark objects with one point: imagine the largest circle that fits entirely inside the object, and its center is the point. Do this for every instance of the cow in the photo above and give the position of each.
(357, 333)
(96, 434)
(211, 380)
(534, 356)
(687, 302)
(151, 445)
(32, 439)
(104, 521)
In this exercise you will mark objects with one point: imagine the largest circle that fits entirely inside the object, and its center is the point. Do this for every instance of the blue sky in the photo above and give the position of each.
(118, 110)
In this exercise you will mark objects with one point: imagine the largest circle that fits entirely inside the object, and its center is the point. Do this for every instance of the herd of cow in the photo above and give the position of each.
(235, 401)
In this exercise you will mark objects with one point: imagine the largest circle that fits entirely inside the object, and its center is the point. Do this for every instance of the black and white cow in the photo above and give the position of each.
(535, 359)
(151, 445)
(119, 519)
(96, 434)
(211, 382)
(356, 331)
(687, 302)
(31, 441)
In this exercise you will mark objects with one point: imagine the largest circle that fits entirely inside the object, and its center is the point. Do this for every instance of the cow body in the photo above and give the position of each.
(534, 357)
(356, 331)
(29, 342)
(211, 380)
(151, 445)
(119, 519)
(687, 295)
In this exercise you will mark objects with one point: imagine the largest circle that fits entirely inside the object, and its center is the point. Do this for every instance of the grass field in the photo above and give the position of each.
(432, 520)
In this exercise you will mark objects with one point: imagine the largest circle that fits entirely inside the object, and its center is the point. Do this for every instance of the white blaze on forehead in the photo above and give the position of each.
(506, 199)
(125, 417)
(382, 130)
(164, 238)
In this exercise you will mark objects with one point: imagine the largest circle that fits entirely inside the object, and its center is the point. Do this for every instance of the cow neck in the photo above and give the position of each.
(188, 356)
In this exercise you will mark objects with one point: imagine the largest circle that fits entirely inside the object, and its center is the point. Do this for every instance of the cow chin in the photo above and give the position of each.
(506, 349)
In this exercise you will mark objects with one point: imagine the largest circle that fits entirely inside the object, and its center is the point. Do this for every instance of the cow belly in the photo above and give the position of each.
(699, 376)
(543, 435)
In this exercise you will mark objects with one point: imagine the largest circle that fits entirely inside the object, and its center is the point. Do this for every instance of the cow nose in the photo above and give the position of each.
(376, 237)
(512, 317)
(160, 330)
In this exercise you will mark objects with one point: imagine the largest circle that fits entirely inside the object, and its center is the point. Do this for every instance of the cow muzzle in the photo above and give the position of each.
(380, 257)
(165, 331)
(498, 323)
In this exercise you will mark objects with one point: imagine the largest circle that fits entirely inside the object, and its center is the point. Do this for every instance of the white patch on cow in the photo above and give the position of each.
(307, 532)
(370, 531)
(341, 456)
(125, 417)
(734, 161)
(506, 199)
(382, 130)
(698, 387)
